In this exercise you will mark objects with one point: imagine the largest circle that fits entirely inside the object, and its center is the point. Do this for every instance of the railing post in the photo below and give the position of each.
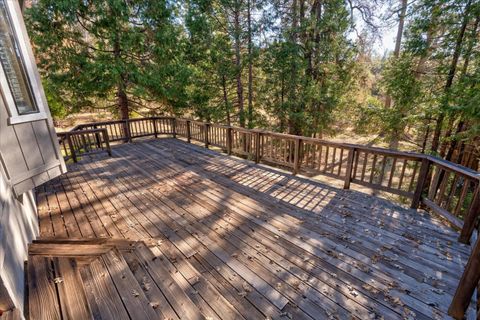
(189, 136)
(421, 183)
(257, 146)
(348, 174)
(126, 129)
(174, 127)
(229, 140)
(72, 149)
(207, 128)
(107, 142)
(466, 287)
(471, 218)
(155, 128)
(62, 142)
(296, 156)
(97, 138)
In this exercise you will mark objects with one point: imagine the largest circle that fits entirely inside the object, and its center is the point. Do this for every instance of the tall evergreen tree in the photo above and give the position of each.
(124, 52)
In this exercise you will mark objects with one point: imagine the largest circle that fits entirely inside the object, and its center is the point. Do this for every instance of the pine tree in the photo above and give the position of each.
(122, 53)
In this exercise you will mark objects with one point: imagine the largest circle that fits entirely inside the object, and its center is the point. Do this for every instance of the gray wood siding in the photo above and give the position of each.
(28, 152)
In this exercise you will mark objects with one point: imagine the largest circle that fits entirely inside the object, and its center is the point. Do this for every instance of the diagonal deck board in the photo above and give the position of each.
(262, 241)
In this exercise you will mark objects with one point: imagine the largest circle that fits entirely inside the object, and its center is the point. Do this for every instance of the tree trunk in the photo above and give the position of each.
(449, 82)
(250, 66)
(425, 137)
(293, 123)
(466, 61)
(238, 64)
(471, 43)
(225, 99)
(398, 42)
(122, 102)
(454, 143)
(122, 99)
(429, 44)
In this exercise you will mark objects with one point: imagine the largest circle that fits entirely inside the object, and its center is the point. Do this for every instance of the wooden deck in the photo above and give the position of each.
(247, 241)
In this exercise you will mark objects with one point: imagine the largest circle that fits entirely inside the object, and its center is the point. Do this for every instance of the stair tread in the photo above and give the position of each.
(93, 278)
(68, 250)
(42, 298)
(14, 314)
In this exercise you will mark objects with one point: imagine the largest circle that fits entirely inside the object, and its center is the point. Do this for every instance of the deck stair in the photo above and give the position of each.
(14, 314)
(102, 279)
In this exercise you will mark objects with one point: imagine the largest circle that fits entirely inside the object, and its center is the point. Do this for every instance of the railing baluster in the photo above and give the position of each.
(364, 167)
(188, 131)
(404, 167)
(296, 156)
(229, 140)
(206, 134)
(382, 170)
(72, 149)
(334, 158)
(340, 163)
(348, 173)
(155, 129)
(372, 172)
(174, 127)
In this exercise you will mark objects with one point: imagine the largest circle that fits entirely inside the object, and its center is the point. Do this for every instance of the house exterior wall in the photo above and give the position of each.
(29, 156)
(29, 150)
(18, 227)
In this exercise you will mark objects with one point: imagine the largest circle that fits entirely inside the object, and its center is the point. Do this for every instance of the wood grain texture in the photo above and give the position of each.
(102, 293)
(234, 239)
(43, 303)
(129, 289)
(71, 294)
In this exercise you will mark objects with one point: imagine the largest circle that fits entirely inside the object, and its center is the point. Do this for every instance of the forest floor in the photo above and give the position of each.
(75, 119)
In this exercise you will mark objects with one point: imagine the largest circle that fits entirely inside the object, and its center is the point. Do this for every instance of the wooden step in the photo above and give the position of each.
(93, 279)
(14, 314)
(121, 244)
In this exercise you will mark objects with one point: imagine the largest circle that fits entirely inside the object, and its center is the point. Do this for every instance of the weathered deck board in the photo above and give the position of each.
(245, 240)
(264, 213)
(73, 300)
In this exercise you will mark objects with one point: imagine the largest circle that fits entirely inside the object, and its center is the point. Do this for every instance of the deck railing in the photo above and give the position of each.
(445, 188)
(75, 143)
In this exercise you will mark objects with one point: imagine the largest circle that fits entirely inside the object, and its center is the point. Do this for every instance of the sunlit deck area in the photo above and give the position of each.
(224, 238)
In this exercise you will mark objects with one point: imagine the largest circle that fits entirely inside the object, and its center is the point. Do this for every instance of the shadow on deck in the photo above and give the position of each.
(241, 240)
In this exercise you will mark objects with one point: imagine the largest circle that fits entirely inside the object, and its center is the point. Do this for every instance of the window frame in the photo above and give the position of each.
(27, 59)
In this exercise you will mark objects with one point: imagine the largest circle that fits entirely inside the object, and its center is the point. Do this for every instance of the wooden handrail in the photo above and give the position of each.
(75, 149)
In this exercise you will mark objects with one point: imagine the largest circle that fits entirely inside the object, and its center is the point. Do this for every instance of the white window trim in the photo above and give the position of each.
(23, 42)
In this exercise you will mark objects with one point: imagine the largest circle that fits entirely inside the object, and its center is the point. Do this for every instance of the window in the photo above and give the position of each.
(13, 66)
(20, 84)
